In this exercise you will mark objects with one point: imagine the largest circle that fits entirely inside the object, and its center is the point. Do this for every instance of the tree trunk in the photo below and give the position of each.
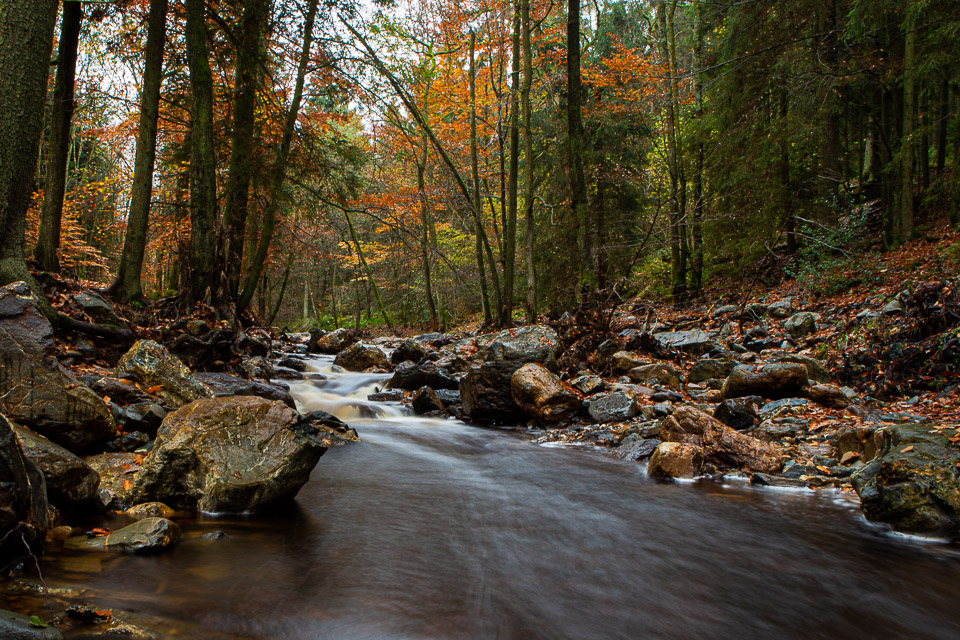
(510, 220)
(575, 150)
(830, 173)
(678, 275)
(201, 279)
(696, 271)
(529, 229)
(909, 129)
(786, 195)
(475, 172)
(26, 41)
(58, 150)
(278, 175)
(942, 122)
(242, 159)
(127, 286)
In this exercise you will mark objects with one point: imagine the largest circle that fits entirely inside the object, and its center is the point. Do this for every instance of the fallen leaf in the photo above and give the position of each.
(906, 449)
(849, 456)
(127, 484)
(106, 399)
(154, 389)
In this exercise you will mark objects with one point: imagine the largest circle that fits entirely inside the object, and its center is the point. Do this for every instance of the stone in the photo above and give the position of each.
(35, 390)
(294, 363)
(359, 357)
(128, 442)
(485, 392)
(15, 626)
(332, 342)
(636, 449)
(656, 373)
(149, 510)
(99, 310)
(143, 536)
(913, 484)
(121, 391)
(693, 342)
(411, 376)
(410, 350)
(588, 384)
(535, 343)
(623, 361)
(781, 308)
(145, 417)
(154, 366)
(70, 481)
(724, 310)
(612, 407)
(800, 325)
(858, 439)
(542, 395)
(739, 413)
(771, 430)
(234, 454)
(828, 395)
(388, 395)
(815, 369)
(771, 408)
(224, 384)
(710, 368)
(675, 460)
(426, 400)
(117, 472)
(892, 308)
(780, 380)
(258, 367)
(23, 496)
(722, 446)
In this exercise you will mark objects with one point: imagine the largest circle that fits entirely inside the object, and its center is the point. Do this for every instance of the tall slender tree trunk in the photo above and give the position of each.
(26, 41)
(696, 270)
(678, 275)
(510, 220)
(943, 120)
(425, 236)
(278, 174)
(201, 280)
(786, 196)
(475, 173)
(575, 152)
(529, 228)
(830, 172)
(242, 159)
(909, 130)
(127, 286)
(58, 151)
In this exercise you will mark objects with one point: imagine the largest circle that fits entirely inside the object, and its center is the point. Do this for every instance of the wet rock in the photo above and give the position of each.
(149, 510)
(258, 367)
(232, 454)
(588, 384)
(612, 407)
(145, 417)
(771, 408)
(99, 310)
(359, 357)
(35, 390)
(623, 361)
(121, 391)
(388, 395)
(769, 380)
(23, 496)
(636, 449)
(815, 369)
(828, 395)
(536, 343)
(772, 430)
(656, 373)
(722, 446)
(692, 342)
(291, 362)
(330, 343)
(410, 350)
(117, 472)
(485, 392)
(710, 368)
(800, 325)
(128, 442)
(70, 481)
(739, 413)
(14, 626)
(858, 439)
(781, 308)
(146, 535)
(154, 366)
(411, 376)
(426, 401)
(224, 384)
(675, 460)
(913, 484)
(542, 395)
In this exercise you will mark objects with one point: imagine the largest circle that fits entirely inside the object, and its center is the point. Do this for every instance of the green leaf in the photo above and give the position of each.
(37, 622)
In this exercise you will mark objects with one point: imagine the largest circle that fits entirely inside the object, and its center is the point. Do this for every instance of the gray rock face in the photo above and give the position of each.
(23, 495)
(410, 350)
(146, 535)
(412, 376)
(815, 369)
(800, 324)
(623, 361)
(772, 381)
(781, 308)
(692, 342)
(710, 368)
(588, 385)
(117, 472)
(775, 406)
(233, 455)
(154, 366)
(637, 449)
(331, 343)
(535, 343)
(359, 357)
(34, 389)
(542, 395)
(913, 484)
(224, 384)
(739, 413)
(656, 373)
(101, 311)
(71, 482)
(612, 407)
(14, 626)
(485, 393)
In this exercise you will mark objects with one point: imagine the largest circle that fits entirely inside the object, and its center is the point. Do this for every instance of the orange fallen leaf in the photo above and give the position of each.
(236, 474)
(100, 532)
(154, 389)
(906, 449)
(106, 399)
(127, 484)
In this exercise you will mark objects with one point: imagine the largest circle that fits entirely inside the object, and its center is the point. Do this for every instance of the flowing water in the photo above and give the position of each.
(435, 529)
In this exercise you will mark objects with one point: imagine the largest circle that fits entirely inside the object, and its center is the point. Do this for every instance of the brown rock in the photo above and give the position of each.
(828, 395)
(542, 395)
(675, 460)
(722, 446)
(774, 381)
(623, 361)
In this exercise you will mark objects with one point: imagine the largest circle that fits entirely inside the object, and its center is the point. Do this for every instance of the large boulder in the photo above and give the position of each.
(154, 366)
(780, 380)
(71, 482)
(913, 484)
(23, 496)
(675, 460)
(542, 395)
(99, 309)
(486, 395)
(617, 406)
(410, 350)
(16, 626)
(411, 376)
(722, 446)
(224, 384)
(34, 389)
(710, 368)
(657, 372)
(330, 343)
(800, 324)
(359, 357)
(816, 372)
(117, 472)
(828, 395)
(692, 342)
(623, 361)
(234, 454)
(741, 413)
(536, 343)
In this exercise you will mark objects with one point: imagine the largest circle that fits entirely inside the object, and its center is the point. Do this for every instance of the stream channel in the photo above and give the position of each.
(434, 529)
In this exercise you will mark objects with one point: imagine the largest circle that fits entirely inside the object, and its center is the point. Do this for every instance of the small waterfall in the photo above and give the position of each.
(327, 387)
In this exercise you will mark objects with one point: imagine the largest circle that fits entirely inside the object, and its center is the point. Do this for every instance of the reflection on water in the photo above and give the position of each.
(433, 529)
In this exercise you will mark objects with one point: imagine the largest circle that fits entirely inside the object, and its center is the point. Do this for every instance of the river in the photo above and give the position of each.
(435, 529)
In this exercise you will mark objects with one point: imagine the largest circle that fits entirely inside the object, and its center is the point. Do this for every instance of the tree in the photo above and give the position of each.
(575, 152)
